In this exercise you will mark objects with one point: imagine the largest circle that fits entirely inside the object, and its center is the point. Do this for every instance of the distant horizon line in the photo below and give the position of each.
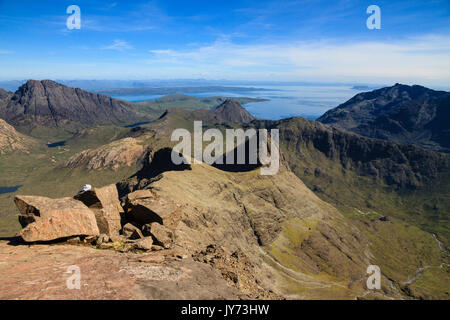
(192, 79)
(198, 81)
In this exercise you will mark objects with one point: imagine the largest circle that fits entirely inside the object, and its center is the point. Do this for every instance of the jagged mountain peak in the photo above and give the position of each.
(45, 105)
(30, 86)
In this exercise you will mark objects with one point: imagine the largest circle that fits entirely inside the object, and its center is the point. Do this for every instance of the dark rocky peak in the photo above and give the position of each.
(401, 113)
(411, 92)
(398, 93)
(48, 104)
(231, 111)
(37, 87)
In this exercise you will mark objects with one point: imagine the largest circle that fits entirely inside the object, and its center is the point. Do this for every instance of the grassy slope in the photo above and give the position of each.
(404, 243)
(357, 196)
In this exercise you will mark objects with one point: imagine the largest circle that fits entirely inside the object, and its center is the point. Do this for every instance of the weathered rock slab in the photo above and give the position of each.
(40, 272)
(46, 219)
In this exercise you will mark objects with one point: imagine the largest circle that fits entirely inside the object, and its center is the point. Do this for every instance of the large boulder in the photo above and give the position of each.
(160, 234)
(105, 204)
(145, 207)
(45, 219)
(131, 232)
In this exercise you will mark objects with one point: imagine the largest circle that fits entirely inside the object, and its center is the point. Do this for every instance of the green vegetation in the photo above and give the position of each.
(434, 283)
(400, 248)
(360, 195)
(294, 232)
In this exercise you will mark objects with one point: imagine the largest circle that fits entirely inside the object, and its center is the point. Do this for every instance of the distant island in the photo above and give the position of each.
(364, 88)
(175, 90)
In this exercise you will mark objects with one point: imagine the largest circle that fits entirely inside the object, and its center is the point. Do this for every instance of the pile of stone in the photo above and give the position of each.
(144, 222)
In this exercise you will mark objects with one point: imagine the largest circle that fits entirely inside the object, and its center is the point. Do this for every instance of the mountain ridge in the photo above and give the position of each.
(401, 113)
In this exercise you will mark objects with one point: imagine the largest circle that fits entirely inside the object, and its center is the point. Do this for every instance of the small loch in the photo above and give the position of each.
(9, 189)
(56, 144)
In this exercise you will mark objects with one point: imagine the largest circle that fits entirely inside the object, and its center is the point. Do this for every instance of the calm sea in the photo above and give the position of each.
(308, 101)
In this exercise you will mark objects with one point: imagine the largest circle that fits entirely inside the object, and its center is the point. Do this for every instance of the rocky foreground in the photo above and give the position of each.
(134, 249)
(39, 271)
(189, 233)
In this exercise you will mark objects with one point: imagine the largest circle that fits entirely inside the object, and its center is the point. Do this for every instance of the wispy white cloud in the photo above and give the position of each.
(115, 24)
(119, 45)
(416, 59)
(110, 5)
(5, 51)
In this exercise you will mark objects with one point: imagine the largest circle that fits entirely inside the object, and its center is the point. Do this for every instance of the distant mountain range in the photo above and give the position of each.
(46, 108)
(98, 84)
(401, 113)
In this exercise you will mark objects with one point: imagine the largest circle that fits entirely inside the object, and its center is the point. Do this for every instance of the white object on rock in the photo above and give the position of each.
(85, 188)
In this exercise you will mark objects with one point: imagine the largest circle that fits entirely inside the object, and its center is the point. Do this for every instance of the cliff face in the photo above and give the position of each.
(117, 154)
(45, 105)
(401, 166)
(401, 113)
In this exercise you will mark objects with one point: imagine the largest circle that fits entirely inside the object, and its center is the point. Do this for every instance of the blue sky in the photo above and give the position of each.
(309, 40)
